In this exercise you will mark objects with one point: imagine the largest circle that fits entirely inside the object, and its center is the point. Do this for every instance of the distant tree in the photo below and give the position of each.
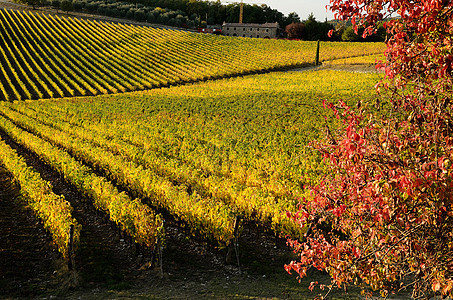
(216, 12)
(33, 3)
(90, 6)
(150, 17)
(349, 35)
(314, 30)
(311, 25)
(78, 5)
(140, 15)
(292, 17)
(380, 34)
(213, 12)
(56, 4)
(66, 6)
(130, 13)
(295, 30)
(197, 7)
(180, 20)
(254, 14)
(232, 13)
(163, 19)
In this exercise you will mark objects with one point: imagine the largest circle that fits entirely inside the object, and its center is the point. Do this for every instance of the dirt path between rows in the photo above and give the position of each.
(29, 264)
(355, 68)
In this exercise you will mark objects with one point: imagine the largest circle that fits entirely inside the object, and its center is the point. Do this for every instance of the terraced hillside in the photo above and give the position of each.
(47, 56)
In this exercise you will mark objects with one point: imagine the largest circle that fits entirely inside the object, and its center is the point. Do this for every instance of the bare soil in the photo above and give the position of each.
(28, 263)
(355, 68)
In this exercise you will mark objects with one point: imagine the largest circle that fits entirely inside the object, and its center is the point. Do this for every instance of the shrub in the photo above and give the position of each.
(130, 13)
(78, 5)
(66, 5)
(150, 17)
(140, 15)
(92, 6)
(56, 3)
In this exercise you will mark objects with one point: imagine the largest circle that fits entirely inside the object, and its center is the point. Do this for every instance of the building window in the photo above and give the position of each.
(267, 30)
(257, 35)
(234, 28)
(243, 29)
(251, 29)
(228, 28)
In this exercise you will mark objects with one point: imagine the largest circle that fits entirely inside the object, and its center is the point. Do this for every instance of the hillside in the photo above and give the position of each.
(206, 153)
(47, 56)
(193, 170)
(201, 155)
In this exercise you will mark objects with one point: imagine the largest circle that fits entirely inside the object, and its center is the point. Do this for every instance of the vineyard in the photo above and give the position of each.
(371, 60)
(209, 154)
(47, 56)
(136, 128)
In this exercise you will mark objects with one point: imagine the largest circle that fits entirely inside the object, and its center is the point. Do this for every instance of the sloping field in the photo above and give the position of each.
(358, 60)
(46, 56)
(206, 153)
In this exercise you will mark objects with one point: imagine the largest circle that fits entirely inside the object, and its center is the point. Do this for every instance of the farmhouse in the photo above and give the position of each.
(266, 30)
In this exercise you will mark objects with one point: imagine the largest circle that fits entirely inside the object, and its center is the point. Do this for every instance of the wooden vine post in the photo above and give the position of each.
(71, 248)
(233, 243)
(317, 54)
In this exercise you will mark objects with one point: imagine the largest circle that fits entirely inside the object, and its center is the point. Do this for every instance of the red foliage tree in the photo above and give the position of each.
(295, 30)
(383, 216)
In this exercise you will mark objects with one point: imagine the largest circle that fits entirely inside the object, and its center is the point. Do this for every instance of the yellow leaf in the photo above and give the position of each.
(436, 286)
